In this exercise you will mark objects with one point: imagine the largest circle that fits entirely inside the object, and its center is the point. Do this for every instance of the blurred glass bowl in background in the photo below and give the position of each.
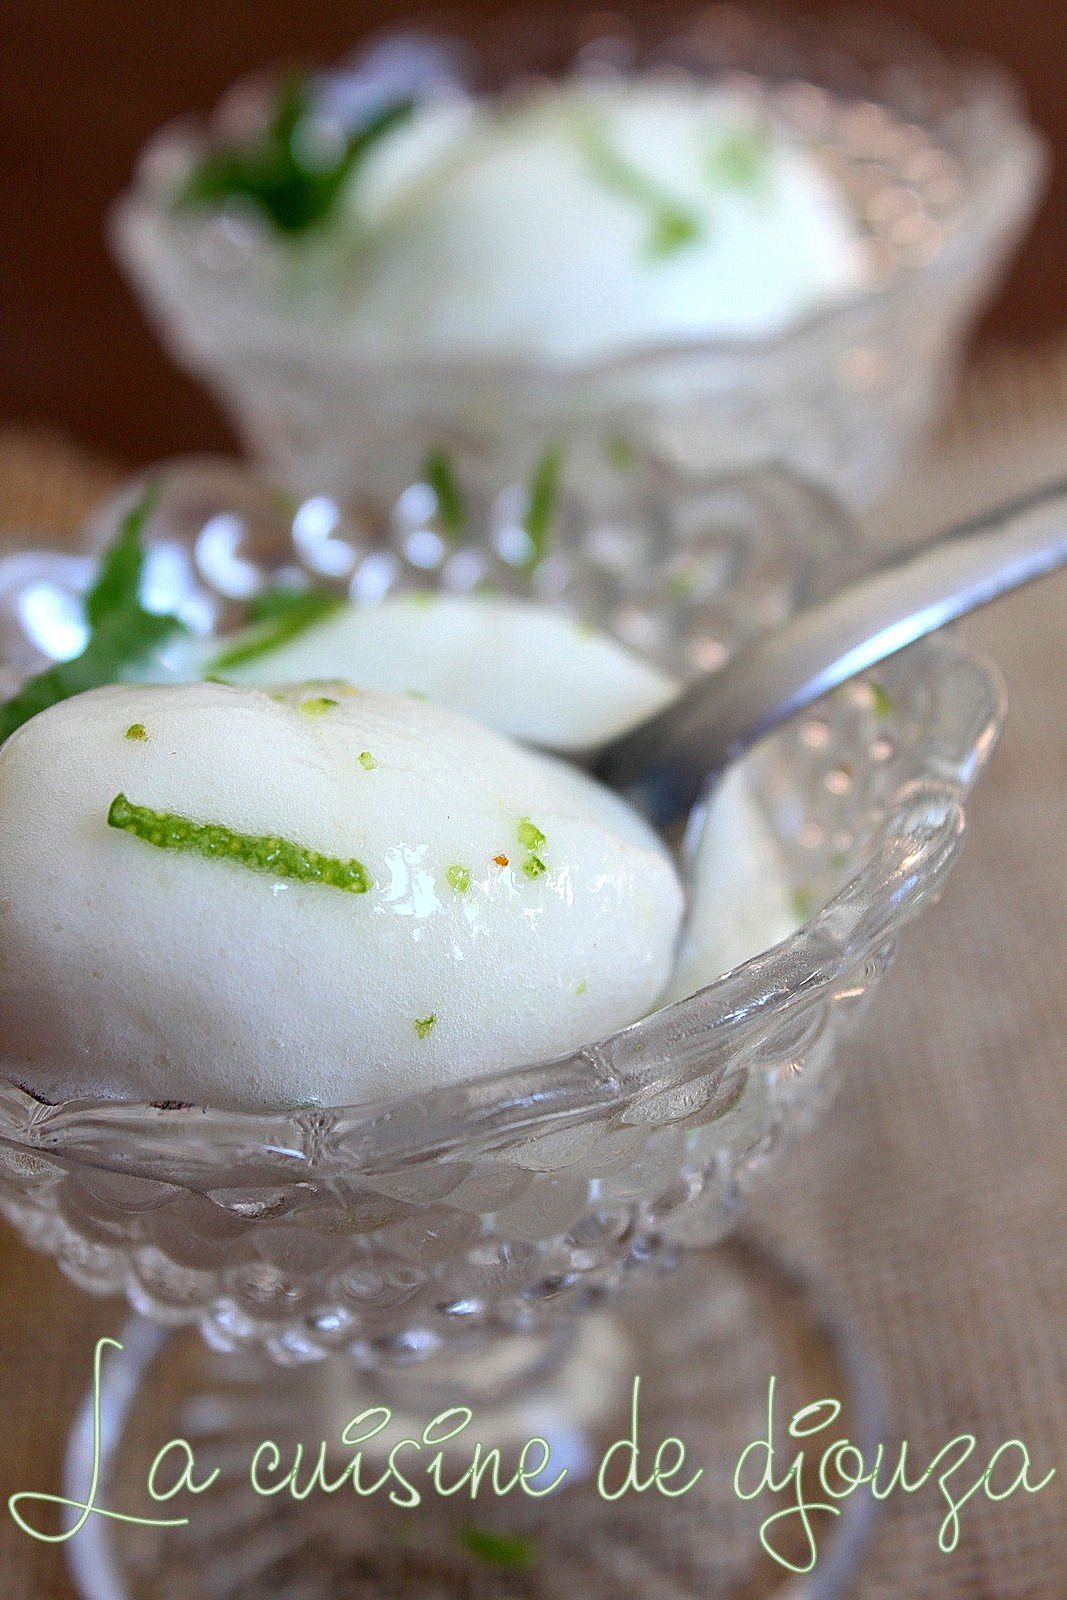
(935, 157)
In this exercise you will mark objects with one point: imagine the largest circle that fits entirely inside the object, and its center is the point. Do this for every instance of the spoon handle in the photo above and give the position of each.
(667, 761)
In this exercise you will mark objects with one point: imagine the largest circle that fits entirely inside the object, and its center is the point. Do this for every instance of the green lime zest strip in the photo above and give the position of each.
(672, 226)
(514, 1550)
(367, 761)
(542, 502)
(440, 473)
(530, 835)
(167, 830)
(424, 1024)
(804, 902)
(137, 731)
(620, 453)
(459, 879)
(277, 617)
(681, 585)
(881, 700)
(740, 159)
(533, 842)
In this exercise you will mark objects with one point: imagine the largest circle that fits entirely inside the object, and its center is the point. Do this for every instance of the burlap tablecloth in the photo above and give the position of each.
(934, 1195)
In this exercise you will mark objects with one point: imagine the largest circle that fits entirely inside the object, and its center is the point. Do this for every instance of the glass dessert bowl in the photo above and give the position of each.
(439, 1248)
(930, 163)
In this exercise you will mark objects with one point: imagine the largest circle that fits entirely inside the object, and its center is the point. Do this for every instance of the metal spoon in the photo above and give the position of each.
(666, 762)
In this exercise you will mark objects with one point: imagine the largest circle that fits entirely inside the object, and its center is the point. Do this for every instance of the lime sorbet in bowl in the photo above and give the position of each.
(746, 241)
(350, 1030)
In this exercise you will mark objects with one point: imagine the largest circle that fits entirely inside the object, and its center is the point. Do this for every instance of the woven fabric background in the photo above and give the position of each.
(934, 1195)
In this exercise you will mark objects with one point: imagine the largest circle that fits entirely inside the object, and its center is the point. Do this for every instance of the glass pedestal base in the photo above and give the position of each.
(705, 1342)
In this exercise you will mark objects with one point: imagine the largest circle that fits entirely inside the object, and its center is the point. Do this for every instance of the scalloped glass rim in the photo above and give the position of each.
(996, 205)
(914, 846)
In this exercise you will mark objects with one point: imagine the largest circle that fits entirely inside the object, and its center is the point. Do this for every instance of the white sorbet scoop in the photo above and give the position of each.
(589, 219)
(256, 901)
(525, 669)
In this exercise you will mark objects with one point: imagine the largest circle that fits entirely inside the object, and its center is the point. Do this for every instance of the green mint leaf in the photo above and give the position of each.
(277, 616)
(282, 602)
(109, 650)
(291, 106)
(542, 502)
(118, 582)
(514, 1550)
(168, 830)
(294, 187)
(440, 473)
(122, 631)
